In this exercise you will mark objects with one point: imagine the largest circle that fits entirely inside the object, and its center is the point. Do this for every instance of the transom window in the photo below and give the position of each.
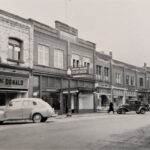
(14, 49)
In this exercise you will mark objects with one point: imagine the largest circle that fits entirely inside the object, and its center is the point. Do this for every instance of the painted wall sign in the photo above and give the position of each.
(13, 82)
(80, 70)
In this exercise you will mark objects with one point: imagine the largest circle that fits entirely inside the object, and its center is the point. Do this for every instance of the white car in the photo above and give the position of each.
(26, 108)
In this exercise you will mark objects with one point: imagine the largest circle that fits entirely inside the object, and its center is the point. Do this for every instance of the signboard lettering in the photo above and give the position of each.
(13, 82)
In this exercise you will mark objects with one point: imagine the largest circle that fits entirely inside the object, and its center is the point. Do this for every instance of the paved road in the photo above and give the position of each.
(93, 132)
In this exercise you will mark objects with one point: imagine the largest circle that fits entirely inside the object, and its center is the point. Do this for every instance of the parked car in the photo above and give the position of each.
(34, 109)
(133, 105)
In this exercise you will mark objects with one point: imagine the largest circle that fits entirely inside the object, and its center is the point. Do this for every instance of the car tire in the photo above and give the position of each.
(37, 118)
(44, 119)
(142, 111)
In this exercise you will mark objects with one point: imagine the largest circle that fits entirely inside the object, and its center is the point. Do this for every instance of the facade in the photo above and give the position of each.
(16, 56)
(56, 50)
(35, 59)
(102, 80)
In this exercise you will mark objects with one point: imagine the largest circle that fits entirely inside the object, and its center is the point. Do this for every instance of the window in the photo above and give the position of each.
(86, 62)
(127, 79)
(132, 81)
(14, 49)
(43, 55)
(106, 73)
(141, 81)
(118, 78)
(58, 59)
(75, 61)
(98, 70)
(16, 104)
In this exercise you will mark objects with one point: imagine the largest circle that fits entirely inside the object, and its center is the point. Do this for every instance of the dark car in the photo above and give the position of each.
(133, 105)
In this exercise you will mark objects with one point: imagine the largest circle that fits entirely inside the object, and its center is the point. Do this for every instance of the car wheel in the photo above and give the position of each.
(44, 119)
(37, 118)
(142, 111)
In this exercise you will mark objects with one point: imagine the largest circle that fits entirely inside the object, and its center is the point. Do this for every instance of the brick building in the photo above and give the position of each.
(16, 56)
(56, 50)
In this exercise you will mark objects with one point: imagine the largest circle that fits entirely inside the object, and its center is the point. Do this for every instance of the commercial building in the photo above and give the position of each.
(16, 61)
(55, 51)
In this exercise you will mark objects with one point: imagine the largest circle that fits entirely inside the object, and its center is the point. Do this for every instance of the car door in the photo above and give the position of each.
(27, 109)
(132, 105)
(14, 110)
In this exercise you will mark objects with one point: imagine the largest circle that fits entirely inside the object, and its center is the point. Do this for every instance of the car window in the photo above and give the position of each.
(34, 103)
(28, 103)
(16, 104)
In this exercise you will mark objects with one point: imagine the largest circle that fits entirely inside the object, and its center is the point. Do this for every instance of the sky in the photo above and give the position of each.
(120, 26)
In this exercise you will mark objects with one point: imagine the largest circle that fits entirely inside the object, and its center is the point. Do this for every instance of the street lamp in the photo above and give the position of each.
(69, 114)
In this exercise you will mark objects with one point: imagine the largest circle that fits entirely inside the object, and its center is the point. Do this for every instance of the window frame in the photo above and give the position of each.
(15, 43)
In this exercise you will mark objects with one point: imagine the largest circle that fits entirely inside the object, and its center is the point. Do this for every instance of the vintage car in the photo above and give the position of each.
(133, 105)
(34, 109)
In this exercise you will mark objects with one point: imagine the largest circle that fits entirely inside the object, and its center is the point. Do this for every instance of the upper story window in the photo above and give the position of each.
(86, 62)
(127, 79)
(106, 73)
(141, 80)
(58, 58)
(98, 70)
(132, 81)
(118, 78)
(43, 55)
(14, 49)
(75, 61)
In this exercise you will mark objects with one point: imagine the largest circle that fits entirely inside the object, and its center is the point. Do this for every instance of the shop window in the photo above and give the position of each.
(58, 58)
(36, 86)
(43, 55)
(14, 49)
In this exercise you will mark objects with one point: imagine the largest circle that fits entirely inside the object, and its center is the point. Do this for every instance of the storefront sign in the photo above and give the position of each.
(13, 82)
(80, 70)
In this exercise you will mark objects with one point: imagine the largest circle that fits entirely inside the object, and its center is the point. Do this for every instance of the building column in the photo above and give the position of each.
(61, 103)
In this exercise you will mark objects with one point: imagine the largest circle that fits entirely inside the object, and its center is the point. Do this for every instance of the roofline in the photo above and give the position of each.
(8, 14)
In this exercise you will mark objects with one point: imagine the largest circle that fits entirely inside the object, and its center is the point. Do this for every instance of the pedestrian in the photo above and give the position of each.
(111, 108)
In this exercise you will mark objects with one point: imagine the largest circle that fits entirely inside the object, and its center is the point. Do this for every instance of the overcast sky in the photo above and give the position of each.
(120, 26)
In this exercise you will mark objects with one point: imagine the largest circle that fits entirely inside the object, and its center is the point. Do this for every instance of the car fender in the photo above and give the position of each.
(121, 107)
(142, 108)
(39, 111)
(2, 115)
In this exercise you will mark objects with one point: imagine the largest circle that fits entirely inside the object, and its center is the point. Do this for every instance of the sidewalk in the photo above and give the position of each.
(80, 115)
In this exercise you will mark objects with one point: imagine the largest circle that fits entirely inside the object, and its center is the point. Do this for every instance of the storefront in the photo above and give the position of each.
(103, 97)
(118, 96)
(13, 85)
(131, 95)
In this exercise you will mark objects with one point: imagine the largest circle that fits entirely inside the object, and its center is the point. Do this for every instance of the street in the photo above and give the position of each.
(81, 132)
